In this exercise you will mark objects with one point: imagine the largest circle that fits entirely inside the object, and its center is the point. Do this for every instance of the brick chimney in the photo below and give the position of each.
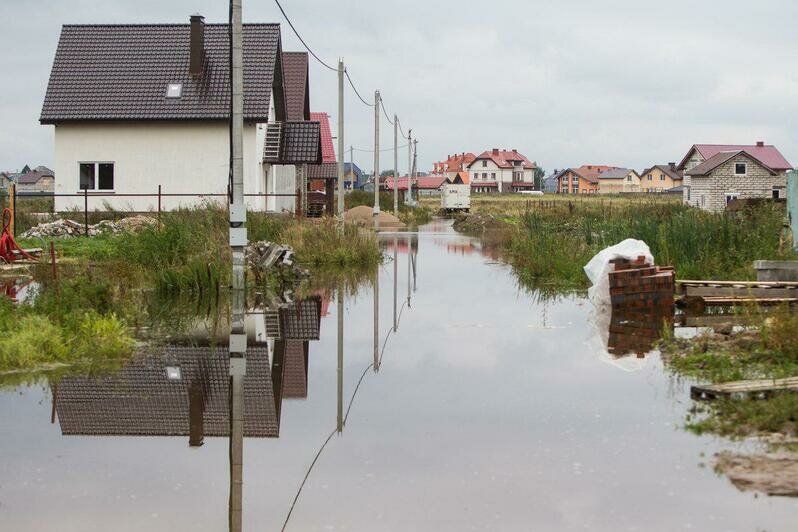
(672, 166)
(495, 151)
(197, 45)
(760, 144)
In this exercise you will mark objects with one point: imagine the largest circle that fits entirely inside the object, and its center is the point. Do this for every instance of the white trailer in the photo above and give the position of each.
(455, 198)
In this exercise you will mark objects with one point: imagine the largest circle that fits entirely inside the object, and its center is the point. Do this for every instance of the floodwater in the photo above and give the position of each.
(489, 408)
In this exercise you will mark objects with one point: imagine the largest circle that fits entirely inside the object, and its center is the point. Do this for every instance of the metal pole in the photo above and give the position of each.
(376, 160)
(12, 205)
(340, 302)
(395, 281)
(415, 154)
(159, 203)
(86, 211)
(352, 167)
(395, 169)
(341, 139)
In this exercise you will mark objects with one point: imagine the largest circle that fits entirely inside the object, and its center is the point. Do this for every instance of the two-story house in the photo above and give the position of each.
(661, 178)
(582, 180)
(453, 165)
(138, 108)
(715, 174)
(501, 171)
(618, 181)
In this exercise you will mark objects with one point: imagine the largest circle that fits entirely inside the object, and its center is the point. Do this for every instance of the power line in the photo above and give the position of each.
(311, 52)
(388, 118)
(352, 83)
(381, 151)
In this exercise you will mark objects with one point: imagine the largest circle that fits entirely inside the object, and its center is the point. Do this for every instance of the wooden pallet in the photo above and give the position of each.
(730, 293)
(759, 388)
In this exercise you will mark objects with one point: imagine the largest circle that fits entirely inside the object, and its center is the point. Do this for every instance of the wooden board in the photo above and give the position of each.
(736, 291)
(762, 387)
(731, 301)
(766, 284)
(714, 320)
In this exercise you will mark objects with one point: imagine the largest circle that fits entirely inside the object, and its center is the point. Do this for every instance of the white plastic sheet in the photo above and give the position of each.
(599, 267)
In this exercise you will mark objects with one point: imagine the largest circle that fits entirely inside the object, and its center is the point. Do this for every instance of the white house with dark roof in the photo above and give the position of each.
(138, 107)
(715, 174)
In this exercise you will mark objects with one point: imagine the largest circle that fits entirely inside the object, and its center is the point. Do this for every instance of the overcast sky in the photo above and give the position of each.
(621, 82)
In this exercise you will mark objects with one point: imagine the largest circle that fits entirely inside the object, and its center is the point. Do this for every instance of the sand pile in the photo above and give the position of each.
(364, 216)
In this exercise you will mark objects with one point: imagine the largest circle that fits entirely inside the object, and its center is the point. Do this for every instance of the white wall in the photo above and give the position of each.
(191, 157)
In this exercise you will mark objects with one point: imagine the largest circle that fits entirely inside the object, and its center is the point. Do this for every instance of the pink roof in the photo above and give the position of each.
(327, 149)
(425, 183)
(769, 155)
(504, 158)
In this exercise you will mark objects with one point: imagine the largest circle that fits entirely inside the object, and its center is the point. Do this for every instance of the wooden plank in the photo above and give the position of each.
(733, 291)
(741, 388)
(773, 284)
(715, 320)
(731, 301)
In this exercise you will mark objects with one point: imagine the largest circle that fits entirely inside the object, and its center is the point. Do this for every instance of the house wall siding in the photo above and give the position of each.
(657, 183)
(181, 157)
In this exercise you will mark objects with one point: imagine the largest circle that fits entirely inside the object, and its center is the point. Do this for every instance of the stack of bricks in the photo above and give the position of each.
(642, 298)
(638, 285)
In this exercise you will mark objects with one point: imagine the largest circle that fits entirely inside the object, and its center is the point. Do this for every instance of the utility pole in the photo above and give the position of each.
(352, 166)
(395, 168)
(409, 165)
(341, 73)
(376, 160)
(415, 154)
(238, 244)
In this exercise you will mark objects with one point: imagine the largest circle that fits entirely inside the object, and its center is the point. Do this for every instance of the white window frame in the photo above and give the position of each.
(745, 171)
(96, 188)
(731, 196)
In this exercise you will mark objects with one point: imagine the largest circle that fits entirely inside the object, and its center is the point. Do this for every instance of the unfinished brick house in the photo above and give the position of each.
(715, 174)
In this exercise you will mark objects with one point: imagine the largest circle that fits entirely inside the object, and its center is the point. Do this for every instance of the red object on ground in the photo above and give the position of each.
(7, 244)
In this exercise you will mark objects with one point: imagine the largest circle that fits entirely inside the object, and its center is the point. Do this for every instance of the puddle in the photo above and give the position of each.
(488, 408)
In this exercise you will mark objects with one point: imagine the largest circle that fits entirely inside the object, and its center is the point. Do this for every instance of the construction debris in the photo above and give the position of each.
(265, 256)
(639, 285)
(65, 228)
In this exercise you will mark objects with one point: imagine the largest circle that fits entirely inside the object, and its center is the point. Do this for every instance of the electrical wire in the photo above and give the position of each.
(352, 83)
(311, 52)
(388, 118)
(384, 150)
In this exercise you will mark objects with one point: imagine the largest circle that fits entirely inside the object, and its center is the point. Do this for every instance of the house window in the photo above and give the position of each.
(484, 175)
(775, 193)
(662, 177)
(629, 177)
(739, 168)
(493, 175)
(96, 176)
(650, 177)
(484, 163)
(476, 175)
(688, 193)
(731, 196)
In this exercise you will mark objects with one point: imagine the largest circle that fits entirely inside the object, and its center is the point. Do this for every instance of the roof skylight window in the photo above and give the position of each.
(174, 90)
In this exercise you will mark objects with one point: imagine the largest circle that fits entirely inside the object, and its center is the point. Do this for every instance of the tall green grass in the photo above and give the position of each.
(554, 245)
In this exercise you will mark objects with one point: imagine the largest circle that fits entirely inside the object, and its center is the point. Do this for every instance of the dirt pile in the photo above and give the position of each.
(69, 228)
(476, 223)
(774, 473)
(364, 217)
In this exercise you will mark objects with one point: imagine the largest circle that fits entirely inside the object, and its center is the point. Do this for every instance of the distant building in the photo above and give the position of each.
(501, 171)
(41, 179)
(618, 181)
(715, 174)
(661, 178)
(353, 176)
(453, 165)
(582, 180)
(550, 184)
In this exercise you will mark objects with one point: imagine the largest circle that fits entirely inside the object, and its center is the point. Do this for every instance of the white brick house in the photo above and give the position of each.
(715, 174)
(501, 171)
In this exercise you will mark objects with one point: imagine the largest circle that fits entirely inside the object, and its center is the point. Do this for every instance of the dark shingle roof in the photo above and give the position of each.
(295, 80)
(295, 370)
(32, 177)
(299, 320)
(140, 400)
(323, 171)
(121, 72)
(301, 143)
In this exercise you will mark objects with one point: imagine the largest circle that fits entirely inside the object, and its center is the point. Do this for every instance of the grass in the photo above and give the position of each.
(769, 351)
(550, 243)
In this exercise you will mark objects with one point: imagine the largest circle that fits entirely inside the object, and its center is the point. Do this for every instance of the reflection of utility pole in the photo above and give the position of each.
(377, 319)
(415, 171)
(340, 298)
(409, 198)
(395, 273)
(340, 209)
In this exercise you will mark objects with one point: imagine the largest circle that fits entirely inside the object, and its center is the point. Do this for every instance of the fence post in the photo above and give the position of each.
(12, 205)
(86, 211)
(792, 205)
(159, 203)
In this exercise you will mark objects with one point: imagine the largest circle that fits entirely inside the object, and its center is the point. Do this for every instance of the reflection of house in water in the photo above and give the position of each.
(184, 391)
